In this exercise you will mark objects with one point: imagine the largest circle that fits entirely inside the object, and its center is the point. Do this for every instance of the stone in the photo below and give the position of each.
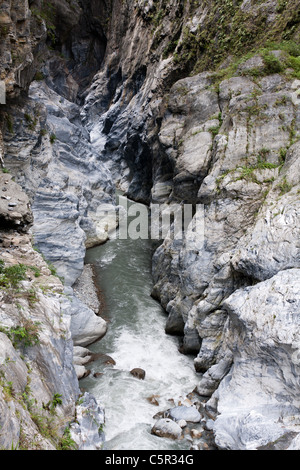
(187, 413)
(86, 290)
(50, 351)
(21, 220)
(131, 119)
(167, 428)
(81, 371)
(138, 373)
(87, 432)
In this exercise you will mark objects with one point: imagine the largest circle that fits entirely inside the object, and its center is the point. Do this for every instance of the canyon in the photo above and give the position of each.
(186, 102)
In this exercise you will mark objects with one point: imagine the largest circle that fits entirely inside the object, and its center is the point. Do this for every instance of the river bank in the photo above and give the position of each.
(139, 411)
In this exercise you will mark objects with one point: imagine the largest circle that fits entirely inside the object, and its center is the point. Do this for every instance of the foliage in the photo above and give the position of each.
(226, 30)
(46, 13)
(284, 186)
(67, 443)
(52, 138)
(51, 405)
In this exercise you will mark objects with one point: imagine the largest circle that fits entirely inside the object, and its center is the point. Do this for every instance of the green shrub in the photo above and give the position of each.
(11, 276)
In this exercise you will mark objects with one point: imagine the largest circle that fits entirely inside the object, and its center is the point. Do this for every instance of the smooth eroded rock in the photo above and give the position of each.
(167, 428)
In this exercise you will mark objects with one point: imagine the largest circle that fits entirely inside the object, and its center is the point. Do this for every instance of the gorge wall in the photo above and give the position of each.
(179, 101)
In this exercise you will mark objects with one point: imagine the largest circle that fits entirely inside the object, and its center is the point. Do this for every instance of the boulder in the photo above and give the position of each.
(138, 373)
(87, 432)
(86, 326)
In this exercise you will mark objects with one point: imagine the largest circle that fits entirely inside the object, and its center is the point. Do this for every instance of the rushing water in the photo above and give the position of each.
(135, 339)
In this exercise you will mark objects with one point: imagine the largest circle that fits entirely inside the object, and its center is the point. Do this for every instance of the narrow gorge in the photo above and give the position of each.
(180, 102)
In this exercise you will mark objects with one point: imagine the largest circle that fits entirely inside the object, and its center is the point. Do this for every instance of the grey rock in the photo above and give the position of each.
(21, 219)
(58, 166)
(88, 432)
(86, 326)
(167, 428)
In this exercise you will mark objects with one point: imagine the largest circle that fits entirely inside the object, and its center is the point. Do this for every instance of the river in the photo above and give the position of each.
(135, 339)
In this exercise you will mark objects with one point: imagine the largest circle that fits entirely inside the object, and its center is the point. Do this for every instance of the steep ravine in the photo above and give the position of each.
(197, 103)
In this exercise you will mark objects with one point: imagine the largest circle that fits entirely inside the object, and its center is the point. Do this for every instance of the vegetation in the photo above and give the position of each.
(26, 335)
(66, 442)
(39, 76)
(11, 276)
(248, 172)
(52, 138)
(284, 186)
(46, 13)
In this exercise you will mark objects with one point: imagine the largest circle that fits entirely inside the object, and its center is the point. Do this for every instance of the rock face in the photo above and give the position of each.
(138, 373)
(186, 413)
(87, 432)
(15, 210)
(170, 109)
(167, 428)
(225, 141)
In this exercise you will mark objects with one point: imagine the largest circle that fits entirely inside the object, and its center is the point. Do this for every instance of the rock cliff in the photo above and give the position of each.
(186, 102)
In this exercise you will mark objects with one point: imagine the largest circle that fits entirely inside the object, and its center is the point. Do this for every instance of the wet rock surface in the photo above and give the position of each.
(167, 428)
